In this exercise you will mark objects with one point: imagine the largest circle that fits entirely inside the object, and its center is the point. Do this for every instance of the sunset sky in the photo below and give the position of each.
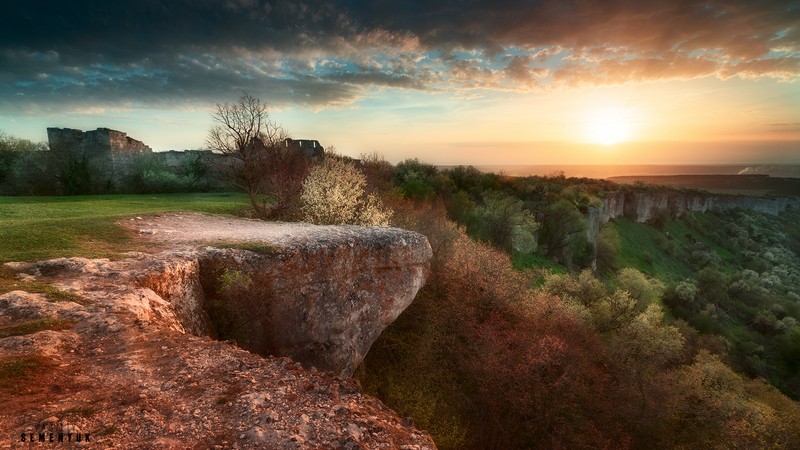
(451, 82)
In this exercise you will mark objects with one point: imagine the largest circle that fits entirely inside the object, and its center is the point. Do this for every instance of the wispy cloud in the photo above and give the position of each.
(329, 53)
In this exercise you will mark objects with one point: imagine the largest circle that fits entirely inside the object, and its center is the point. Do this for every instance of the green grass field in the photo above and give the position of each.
(642, 247)
(36, 228)
(664, 254)
(534, 260)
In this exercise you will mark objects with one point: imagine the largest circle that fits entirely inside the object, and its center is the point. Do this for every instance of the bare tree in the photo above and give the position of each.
(251, 143)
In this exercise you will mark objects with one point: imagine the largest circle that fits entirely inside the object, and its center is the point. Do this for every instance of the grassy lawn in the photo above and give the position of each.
(36, 228)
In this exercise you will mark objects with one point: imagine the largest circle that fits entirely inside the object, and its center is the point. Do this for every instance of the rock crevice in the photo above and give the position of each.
(321, 302)
(139, 341)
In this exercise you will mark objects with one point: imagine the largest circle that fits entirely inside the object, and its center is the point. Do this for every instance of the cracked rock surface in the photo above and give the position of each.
(129, 356)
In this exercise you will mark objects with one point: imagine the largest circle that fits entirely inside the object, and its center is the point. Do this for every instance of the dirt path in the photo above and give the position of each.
(192, 227)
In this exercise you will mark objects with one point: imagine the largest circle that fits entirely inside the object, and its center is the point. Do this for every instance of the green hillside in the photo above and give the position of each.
(675, 252)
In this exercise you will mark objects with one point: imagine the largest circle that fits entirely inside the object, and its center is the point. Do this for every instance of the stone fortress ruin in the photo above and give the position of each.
(99, 140)
(113, 157)
(310, 147)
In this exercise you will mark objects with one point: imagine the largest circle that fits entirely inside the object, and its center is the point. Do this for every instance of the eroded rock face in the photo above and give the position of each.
(135, 356)
(322, 302)
(641, 206)
(321, 299)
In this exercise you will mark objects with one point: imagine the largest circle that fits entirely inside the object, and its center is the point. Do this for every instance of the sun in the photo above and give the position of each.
(609, 126)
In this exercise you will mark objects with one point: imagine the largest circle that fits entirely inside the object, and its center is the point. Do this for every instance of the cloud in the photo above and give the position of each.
(784, 68)
(633, 70)
(328, 53)
(183, 79)
(520, 72)
(785, 129)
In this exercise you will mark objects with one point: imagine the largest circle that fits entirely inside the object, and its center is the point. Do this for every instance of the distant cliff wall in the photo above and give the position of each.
(642, 206)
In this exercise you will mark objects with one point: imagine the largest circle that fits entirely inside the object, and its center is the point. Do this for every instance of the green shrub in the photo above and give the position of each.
(31, 173)
(607, 250)
(233, 280)
(165, 182)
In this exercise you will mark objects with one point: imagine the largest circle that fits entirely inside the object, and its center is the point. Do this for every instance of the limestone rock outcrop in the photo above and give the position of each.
(641, 206)
(323, 301)
(644, 205)
(135, 363)
(319, 294)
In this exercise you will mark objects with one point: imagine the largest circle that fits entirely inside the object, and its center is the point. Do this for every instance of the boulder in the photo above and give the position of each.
(322, 302)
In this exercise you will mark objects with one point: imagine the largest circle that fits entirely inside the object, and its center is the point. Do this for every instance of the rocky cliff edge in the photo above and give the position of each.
(127, 351)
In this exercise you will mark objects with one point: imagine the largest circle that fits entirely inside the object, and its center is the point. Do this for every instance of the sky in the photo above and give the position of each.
(448, 82)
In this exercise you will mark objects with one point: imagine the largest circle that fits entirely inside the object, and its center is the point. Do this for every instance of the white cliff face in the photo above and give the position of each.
(642, 206)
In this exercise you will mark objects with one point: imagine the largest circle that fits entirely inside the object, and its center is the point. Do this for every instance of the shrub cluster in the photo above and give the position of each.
(484, 358)
(334, 194)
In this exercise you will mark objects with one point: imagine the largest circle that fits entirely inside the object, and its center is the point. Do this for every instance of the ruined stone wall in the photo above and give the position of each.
(120, 142)
(65, 139)
(178, 161)
(72, 146)
(94, 143)
(123, 152)
(174, 159)
(113, 156)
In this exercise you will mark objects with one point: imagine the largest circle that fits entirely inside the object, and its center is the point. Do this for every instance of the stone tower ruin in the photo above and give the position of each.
(110, 154)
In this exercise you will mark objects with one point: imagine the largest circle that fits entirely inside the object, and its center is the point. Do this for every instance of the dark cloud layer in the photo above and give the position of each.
(84, 53)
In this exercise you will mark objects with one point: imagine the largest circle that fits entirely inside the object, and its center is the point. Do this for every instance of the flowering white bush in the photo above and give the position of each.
(333, 194)
(373, 212)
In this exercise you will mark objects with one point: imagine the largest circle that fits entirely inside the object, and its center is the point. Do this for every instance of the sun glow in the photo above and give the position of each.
(609, 126)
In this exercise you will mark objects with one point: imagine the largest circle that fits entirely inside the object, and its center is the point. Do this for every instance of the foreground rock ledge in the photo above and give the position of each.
(134, 362)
